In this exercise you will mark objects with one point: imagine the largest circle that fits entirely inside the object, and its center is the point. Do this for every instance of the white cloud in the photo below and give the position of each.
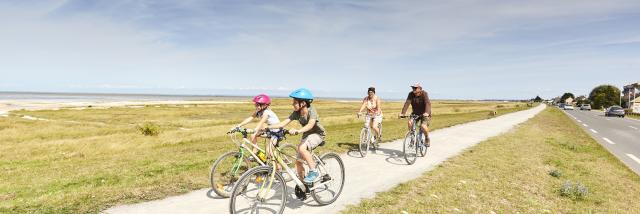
(193, 44)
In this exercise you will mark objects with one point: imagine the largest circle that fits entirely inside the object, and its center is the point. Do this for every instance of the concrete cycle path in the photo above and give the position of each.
(377, 172)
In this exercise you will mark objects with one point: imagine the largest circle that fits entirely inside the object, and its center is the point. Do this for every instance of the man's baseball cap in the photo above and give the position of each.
(416, 85)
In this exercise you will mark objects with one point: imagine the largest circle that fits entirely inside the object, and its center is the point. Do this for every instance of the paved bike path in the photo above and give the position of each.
(364, 176)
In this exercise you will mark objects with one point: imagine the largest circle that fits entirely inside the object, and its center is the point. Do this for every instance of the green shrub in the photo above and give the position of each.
(575, 192)
(148, 129)
(555, 173)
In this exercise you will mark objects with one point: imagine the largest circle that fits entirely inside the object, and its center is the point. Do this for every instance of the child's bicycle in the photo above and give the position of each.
(414, 144)
(226, 170)
(366, 137)
(261, 189)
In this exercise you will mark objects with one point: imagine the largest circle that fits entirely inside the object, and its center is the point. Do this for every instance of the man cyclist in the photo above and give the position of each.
(420, 105)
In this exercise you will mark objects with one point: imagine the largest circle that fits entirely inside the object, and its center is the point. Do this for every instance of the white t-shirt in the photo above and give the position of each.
(272, 118)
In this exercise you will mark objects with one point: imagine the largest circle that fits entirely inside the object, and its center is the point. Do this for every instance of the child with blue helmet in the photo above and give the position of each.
(313, 133)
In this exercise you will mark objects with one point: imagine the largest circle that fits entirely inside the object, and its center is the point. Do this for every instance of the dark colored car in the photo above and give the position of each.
(614, 111)
(585, 107)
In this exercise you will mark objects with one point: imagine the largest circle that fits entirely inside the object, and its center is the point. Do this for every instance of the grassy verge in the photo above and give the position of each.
(546, 165)
(634, 116)
(83, 161)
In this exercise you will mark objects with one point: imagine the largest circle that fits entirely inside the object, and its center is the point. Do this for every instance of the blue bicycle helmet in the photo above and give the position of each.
(302, 93)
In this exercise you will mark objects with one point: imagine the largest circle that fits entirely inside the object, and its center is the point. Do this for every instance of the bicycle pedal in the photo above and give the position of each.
(326, 178)
(301, 195)
(309, 186)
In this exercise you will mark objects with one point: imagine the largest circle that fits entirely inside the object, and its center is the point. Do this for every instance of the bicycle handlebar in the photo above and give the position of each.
(241, 130)
(412, 116)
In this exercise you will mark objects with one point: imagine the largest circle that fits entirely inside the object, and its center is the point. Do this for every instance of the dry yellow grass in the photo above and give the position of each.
(512, 173)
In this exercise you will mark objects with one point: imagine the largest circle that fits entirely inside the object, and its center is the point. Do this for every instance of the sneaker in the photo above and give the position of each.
(311, 177)
(428, 141)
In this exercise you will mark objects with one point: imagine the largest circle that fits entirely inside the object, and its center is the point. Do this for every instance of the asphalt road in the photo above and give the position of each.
(621, 136)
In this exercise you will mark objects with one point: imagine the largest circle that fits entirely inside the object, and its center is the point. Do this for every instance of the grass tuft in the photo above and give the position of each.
(148, 129)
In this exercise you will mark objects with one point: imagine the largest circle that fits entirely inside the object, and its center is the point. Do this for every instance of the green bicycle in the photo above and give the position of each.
(226, 170)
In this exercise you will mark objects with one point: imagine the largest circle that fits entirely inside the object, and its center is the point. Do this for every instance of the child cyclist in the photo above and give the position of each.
(264, 113)
(313, 133)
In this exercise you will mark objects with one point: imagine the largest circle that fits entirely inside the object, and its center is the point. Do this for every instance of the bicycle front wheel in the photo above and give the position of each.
(409, 148)
(364, 142)
(225, 171)
(259, 190)
(331, 181)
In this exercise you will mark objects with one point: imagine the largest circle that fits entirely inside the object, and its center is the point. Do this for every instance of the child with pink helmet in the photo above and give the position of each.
(264, 113)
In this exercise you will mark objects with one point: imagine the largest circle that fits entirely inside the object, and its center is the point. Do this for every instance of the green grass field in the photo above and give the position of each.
(83, 161)
(532, 169)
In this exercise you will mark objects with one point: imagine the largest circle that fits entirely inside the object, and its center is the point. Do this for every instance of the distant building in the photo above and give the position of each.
(636, 105)
(569, 100)
(630, 93)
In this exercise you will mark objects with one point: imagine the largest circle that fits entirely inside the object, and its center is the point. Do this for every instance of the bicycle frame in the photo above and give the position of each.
(415, 126)
(276, 158)
(369, 120)
(243, 147)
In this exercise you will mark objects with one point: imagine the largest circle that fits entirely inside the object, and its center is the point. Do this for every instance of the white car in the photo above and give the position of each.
(568, 107)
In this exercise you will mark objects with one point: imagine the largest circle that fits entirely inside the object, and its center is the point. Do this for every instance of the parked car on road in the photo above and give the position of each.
(614, 111)
(561, 105)
(585, 107)
(568, 107)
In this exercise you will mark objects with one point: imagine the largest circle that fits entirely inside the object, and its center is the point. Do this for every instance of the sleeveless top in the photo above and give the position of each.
(372, 105)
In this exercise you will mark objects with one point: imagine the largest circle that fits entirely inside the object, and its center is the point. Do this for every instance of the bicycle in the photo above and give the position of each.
(261, 189)
(366, 137)
(226, 170)
(414, 144)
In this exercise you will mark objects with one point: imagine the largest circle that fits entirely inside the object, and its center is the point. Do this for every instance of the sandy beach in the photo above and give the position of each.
(6, 106)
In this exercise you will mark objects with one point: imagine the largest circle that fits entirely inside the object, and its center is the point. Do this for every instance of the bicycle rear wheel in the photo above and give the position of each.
(364, 142)
(258, 192)
(409, 148)
(226, 170)
(331, 180)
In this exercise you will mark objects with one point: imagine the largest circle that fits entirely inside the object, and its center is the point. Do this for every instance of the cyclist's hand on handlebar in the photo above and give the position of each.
(294, 131)
(359, 114)
(426, 115)
(234, 129)
(402, 115)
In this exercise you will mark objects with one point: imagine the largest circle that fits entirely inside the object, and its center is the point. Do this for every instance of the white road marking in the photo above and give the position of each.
(585, 125)
(607, 119)
(633, 127)
(634, 158)
(594, 131)
(608, 141)
(579, 121)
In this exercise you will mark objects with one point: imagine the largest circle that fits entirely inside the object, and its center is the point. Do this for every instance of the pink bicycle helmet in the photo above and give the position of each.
(262, 99)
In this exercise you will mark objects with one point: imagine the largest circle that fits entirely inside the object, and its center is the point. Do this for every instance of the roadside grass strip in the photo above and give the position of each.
(545, 165)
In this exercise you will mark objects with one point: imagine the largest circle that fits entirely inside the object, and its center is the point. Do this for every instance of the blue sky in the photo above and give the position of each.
(457, 49)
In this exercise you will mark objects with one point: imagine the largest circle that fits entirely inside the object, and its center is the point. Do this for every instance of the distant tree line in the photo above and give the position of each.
(601, 96)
